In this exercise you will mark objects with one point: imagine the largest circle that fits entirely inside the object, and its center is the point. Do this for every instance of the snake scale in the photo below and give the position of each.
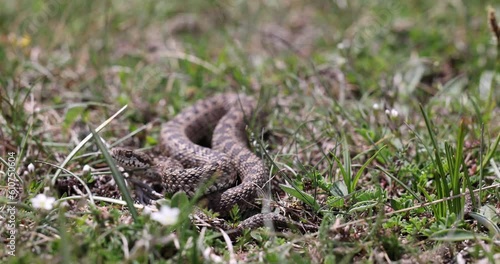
(187, 166)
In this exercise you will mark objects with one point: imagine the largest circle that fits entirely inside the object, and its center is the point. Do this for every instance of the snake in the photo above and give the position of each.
(237, 176)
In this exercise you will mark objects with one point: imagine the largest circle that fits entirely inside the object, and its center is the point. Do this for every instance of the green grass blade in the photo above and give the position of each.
(452, 235)
(301, 195)
(455, 170)
(441, 185)
(117, 175)
(347, 165)
(345, 175)
(360, 171)
(490, 225)
(65, 240)
(491, 152)
(394, 178)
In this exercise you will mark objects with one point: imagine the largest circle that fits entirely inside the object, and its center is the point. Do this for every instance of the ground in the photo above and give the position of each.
(382, 116)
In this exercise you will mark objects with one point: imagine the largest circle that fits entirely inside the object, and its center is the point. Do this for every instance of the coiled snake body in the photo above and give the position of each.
(189, 166)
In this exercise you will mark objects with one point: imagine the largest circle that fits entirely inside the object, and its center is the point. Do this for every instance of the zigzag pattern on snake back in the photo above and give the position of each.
(188, 165)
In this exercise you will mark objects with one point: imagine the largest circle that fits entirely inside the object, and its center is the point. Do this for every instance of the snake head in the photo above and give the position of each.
(131, 159)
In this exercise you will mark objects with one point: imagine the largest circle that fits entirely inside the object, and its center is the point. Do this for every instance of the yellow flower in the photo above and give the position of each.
(24, 41)
(21, 42)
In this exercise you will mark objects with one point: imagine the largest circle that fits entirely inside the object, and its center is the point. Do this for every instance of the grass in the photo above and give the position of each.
(383, 116)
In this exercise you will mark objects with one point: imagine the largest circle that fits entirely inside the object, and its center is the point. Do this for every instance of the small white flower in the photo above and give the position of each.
(376, 106)
(86, 168)
(344, 44)
(41, 201)
(394, 114)
(31, 168)
(147, 210)
(166, 215)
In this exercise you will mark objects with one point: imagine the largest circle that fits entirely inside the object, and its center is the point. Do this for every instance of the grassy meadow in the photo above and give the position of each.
(383, 117)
